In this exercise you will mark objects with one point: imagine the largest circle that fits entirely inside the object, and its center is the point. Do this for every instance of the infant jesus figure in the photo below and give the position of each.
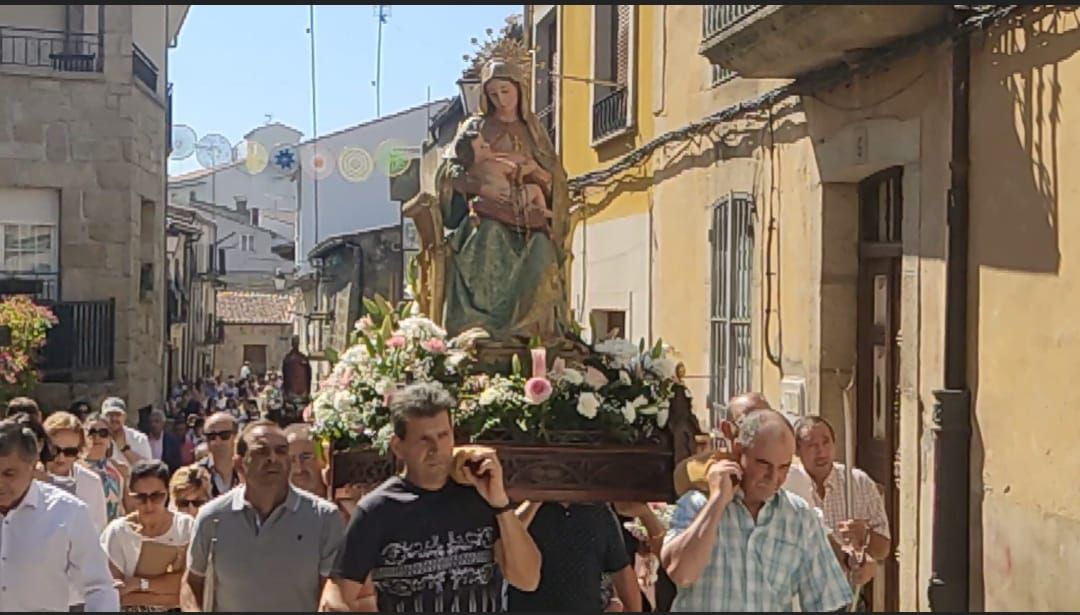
(528, 205)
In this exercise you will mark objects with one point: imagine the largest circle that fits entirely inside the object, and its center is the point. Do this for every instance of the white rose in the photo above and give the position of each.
(588, 405)
(647, 410)
(343, 400)
(640, 401)
(629, 412)
(665, 368)
(661, 418)
(572, 376)
(624, 378)
(489, 396)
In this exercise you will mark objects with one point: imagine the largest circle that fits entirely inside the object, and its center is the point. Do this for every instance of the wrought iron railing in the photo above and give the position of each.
(71, 52)
(717, 17)
(42, 286)
(609, 114)
(143, 68)
(547, 120)
(80, 347)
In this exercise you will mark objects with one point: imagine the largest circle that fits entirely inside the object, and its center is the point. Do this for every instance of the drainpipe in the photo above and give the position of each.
(949, 580)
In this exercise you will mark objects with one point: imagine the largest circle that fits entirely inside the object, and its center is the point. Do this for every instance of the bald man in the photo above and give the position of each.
(749, 545)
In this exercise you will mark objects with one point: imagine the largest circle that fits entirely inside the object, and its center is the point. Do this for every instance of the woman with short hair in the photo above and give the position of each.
(147, 548)
(189, 489)
(65, 432)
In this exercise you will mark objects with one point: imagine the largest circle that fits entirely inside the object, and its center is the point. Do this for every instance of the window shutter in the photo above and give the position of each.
(622, 43)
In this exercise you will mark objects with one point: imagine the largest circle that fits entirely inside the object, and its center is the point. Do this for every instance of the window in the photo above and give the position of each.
(732, 246)
(546, 87)
(607, 324)
(191, 196)
(30, 263)
(612, 96)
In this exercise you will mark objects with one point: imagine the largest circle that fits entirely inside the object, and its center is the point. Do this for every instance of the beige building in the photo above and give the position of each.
(193, 276)
(84, 124)
(879, 198)
(254, 327)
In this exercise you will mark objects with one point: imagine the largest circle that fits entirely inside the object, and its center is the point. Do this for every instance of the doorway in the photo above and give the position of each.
(878, 335)
(255, 355)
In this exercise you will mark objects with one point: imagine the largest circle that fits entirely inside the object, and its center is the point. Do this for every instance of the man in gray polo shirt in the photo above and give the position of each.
(265, 545)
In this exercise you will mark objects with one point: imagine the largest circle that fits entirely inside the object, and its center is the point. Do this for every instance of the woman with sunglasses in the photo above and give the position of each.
(98, 457)
(189, 489)
(147, 548)
(65, 433)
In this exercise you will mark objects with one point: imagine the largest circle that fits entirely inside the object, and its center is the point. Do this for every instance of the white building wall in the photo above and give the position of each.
(611, 272)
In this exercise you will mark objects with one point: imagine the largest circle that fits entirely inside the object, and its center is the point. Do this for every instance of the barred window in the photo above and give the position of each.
(732, 242)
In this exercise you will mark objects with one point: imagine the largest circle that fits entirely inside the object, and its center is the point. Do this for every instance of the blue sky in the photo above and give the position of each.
(236, 64)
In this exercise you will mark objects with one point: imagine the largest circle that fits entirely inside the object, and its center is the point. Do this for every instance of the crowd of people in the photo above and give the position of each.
(210, 506)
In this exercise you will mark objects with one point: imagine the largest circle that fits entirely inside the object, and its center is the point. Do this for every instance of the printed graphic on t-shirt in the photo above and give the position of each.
(454, 572)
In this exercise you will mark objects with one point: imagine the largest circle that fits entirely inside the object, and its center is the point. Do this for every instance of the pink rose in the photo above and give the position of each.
(595, 378)
(364, 323)
(396, 341)
(434, 345)
(537, 390)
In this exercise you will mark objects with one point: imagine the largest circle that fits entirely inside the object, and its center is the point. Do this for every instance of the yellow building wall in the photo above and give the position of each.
(1024, 334)
(611, 269)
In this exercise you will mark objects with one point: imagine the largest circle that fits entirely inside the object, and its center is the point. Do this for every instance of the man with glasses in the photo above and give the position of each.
(220, 432)
(266, 545)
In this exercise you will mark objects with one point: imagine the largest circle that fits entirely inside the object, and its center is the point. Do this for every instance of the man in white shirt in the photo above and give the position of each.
(130, 446)
(867, 524)
(47, 541)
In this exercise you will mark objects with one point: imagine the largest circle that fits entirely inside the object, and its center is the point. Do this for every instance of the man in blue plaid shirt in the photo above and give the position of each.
(755, 546)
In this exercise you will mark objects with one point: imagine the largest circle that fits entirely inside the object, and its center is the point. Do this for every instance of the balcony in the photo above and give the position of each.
(80, 347)
(42, 286)
(609, 116)
(74, 52)
(143, 68)
(547, 120)
(786, 41)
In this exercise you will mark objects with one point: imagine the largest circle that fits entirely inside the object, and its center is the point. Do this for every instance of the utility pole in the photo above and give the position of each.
(382, 12)
(314, 127)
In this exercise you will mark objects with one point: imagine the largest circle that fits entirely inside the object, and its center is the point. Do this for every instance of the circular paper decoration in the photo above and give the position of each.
(391, 157)
(283, 159)
(355, 164)
(213, 150)
(183, 142)
(317, 164)
(254, 154)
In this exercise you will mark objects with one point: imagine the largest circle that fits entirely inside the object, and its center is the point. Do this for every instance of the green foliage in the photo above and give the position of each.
(29, 324)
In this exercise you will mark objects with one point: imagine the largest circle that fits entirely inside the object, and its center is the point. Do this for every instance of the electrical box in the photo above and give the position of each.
(793, 395)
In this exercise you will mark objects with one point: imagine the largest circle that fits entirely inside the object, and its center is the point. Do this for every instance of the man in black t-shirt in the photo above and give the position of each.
(579, 543)
(424, 543)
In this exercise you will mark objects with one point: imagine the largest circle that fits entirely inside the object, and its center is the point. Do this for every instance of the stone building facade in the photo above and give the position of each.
(83, 141)
(255, 327)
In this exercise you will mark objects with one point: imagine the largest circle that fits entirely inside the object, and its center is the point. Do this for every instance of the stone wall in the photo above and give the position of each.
(98, 138)
(230, 353)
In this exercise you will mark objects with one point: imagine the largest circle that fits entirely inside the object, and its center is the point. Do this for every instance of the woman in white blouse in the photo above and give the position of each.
(147, 548)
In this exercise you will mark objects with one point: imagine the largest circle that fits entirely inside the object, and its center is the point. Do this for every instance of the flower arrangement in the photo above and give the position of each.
(29, 324)
(620, 392)
(390, 349)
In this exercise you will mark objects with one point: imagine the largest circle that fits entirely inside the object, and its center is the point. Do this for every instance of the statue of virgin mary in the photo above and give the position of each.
(504, 278)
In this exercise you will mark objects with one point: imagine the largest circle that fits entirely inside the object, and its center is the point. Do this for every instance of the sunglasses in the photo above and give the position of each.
(217, 435)
(190, 503)
(102, 433)
(156, 497)
(71, 451)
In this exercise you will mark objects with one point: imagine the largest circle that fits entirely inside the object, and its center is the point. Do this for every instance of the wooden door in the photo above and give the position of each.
(256, 356)
(878, 415)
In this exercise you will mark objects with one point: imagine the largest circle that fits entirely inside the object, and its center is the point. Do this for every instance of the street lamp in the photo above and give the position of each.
(470, 95)
(279, 280)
